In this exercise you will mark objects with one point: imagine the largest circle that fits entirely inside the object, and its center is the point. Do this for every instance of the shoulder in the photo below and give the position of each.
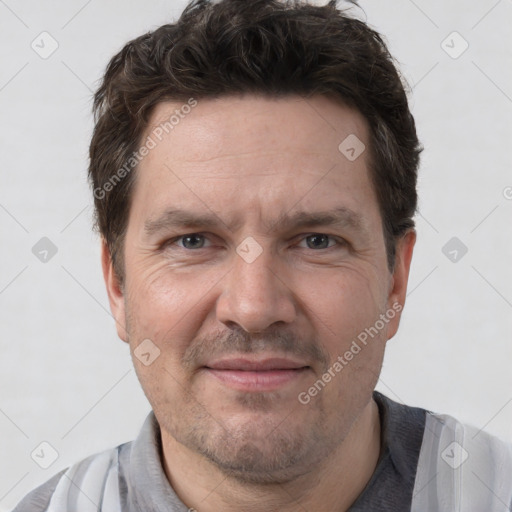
(39, 498)
(94, 478)
(462, 467)
(459, 443)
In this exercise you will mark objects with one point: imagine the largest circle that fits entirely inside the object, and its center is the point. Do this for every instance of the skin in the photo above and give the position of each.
(247, 161)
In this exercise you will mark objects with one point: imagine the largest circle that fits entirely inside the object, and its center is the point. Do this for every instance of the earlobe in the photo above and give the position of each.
(114, 291)
(400, 278)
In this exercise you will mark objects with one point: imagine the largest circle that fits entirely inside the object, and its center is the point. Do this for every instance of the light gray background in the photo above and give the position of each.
(67, 379)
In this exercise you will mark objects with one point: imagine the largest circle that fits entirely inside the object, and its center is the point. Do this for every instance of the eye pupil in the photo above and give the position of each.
(318, 241)
(193, 241)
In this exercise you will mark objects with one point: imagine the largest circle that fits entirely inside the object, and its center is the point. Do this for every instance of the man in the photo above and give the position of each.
(254, 175)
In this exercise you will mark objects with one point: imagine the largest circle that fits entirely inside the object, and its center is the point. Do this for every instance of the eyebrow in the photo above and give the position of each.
(339, 217)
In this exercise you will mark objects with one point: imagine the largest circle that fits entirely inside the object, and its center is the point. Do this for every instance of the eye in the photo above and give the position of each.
(320, 241)
(191, 241)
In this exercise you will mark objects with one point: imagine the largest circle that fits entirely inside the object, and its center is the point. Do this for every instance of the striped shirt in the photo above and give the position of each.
(428, 463)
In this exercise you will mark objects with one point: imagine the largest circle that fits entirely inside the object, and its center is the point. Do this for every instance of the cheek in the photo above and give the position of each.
(343, 303)
(344, 314)
(166, 306)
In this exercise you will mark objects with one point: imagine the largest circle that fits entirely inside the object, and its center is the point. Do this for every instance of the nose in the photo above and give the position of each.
(255, 295)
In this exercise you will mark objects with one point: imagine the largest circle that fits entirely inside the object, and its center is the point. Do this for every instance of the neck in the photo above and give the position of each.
(333, 485)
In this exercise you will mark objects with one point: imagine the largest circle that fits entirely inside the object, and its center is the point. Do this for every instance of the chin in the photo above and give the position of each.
(261, 449)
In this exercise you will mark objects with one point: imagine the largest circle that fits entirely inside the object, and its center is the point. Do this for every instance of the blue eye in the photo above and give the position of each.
(320, 241)
(192, 241)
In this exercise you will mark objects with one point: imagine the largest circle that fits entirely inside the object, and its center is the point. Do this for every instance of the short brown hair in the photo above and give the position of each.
(269, 47)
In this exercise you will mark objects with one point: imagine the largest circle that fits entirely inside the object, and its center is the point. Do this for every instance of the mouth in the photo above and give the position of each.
(256, 375)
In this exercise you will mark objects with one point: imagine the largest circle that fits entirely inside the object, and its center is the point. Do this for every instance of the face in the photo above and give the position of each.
(255, 266)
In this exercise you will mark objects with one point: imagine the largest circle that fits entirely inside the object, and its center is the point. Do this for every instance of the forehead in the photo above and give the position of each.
(216, 128)
(251, 153)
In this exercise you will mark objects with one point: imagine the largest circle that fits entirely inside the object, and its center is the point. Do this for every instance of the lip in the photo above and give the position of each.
(269, 363)
(253, 375)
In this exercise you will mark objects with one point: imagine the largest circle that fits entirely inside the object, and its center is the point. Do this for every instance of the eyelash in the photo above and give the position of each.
(339, 241)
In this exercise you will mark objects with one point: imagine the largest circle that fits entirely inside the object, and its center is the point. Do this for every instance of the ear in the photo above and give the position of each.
(399, 279)
(114, 290)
